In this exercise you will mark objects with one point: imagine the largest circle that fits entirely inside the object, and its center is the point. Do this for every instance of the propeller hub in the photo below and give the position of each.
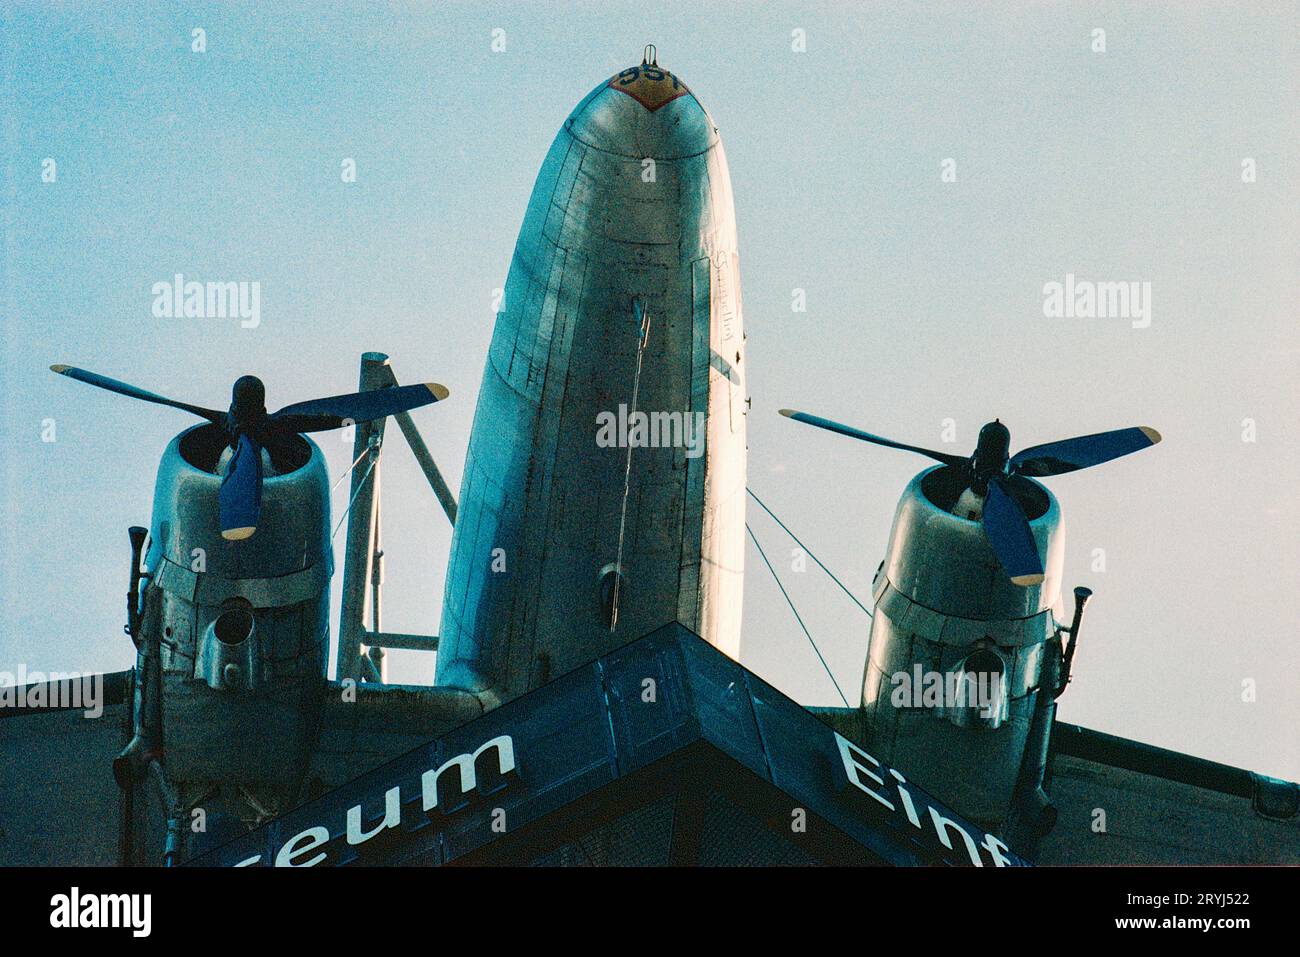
(991, 451)
(247, 399)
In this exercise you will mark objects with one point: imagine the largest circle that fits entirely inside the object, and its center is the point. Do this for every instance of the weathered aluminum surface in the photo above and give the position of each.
(633, 202)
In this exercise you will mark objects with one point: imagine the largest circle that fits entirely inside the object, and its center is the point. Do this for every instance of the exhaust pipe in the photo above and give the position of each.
(1033, 815)
(146, 744)
(1081, 596)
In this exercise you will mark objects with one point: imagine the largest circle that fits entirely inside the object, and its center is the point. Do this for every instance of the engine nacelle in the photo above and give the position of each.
(960, 658)
(244, 625)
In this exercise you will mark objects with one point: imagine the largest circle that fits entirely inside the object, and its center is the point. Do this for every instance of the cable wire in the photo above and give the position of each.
(348, 471)
(643, 335)
(797, 617)
(360, 486)
(843, 588)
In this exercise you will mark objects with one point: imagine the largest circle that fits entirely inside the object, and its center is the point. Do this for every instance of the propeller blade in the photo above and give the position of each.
(241, 491)
(1070, 455)
(944, 457)
(317, 415)
(1008, 532)
(122, 388)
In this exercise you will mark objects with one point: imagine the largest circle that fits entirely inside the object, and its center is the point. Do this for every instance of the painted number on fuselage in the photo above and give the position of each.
(650, 86)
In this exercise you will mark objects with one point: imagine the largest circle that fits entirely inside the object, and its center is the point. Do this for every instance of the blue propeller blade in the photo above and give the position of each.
(1009, 534)
(317, 415)
(241, 491)
(817, 420)
(122, 388)
(1070, 455)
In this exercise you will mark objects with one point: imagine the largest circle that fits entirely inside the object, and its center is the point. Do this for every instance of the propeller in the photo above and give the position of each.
(249, 429)
(989, 468)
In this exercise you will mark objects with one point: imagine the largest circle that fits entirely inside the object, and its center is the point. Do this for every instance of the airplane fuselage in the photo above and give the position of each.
(604, 486)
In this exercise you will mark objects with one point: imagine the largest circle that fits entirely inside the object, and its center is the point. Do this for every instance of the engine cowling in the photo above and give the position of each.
(960, 658)
(244, 625)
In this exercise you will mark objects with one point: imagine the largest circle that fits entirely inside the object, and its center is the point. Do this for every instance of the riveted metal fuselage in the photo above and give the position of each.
(623, 298)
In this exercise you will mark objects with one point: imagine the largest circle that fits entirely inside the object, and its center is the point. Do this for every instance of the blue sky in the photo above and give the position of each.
(924, 298)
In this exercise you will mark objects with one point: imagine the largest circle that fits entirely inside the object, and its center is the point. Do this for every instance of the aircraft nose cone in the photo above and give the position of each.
(644, 111)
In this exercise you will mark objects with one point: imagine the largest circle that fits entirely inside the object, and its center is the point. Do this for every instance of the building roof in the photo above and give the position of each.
(665, 751)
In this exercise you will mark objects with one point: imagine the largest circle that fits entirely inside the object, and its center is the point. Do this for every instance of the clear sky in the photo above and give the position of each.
(924, 297)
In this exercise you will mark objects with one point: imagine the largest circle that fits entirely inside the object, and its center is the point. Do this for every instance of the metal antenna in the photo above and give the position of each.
(642, 318)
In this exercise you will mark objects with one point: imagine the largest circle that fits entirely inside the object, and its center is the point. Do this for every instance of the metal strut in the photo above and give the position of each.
(363, 570)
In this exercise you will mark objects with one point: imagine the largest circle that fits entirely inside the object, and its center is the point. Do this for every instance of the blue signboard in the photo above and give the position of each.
(637, 752)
